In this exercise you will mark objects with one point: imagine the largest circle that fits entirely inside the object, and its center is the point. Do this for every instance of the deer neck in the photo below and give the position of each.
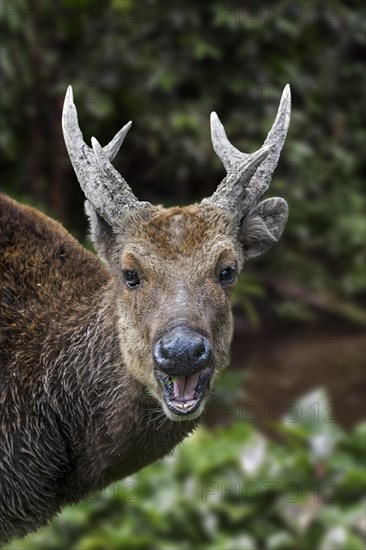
(120, 427)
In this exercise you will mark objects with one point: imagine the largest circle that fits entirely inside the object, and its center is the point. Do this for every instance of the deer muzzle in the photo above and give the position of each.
(183, 367)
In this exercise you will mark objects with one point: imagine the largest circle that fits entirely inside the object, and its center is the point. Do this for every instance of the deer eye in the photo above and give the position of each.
(227, 275)
(132, 279)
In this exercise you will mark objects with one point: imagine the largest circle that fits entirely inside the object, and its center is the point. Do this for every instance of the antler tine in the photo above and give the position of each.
(114, 145)
(275, 139)
(229, 155)
(103, 186)
(249, 175)
(116, 192)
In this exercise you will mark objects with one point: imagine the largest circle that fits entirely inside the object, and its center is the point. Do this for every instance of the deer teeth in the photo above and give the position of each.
(183, 405)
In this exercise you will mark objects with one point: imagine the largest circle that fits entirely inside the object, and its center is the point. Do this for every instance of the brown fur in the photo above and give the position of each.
(178, 252)
(77, 390)
(43, 272)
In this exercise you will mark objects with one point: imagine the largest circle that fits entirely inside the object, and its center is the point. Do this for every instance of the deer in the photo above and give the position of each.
(107, 359)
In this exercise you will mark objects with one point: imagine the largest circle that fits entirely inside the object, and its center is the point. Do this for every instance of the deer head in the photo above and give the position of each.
(173, 270)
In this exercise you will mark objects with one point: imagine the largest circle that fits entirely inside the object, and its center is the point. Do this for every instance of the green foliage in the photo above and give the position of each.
(166, 65)
(232, 489)
(247, 288)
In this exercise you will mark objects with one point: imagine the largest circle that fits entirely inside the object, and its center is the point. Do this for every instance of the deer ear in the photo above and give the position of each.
(101, 233)
(263, 226)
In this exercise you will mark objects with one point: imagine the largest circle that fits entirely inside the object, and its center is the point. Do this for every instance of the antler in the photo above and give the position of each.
(103, 186)
(248, 175)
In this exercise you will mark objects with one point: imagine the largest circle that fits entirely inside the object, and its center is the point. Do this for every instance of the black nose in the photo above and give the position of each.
(182, 351)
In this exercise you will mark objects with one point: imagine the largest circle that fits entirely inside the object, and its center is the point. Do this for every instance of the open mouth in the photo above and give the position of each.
(184, 394)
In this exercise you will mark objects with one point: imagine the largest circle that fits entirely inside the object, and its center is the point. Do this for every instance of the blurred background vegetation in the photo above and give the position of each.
(300, 310)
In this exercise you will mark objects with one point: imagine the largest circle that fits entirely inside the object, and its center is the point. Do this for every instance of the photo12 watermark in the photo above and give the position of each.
(254, 491)
(269, 412)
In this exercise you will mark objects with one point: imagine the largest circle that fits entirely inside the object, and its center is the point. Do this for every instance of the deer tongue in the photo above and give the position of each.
(185, 387)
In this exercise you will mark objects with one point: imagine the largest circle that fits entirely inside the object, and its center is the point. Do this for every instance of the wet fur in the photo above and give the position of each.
(72, 419)
(79, 405)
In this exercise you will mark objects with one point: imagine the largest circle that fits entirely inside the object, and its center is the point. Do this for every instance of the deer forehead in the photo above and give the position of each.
(182, 233)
